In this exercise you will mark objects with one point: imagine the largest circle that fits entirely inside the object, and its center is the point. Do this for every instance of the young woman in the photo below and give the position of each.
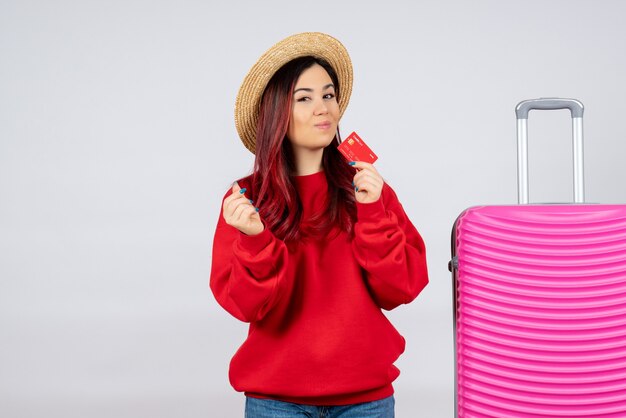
(310, 248)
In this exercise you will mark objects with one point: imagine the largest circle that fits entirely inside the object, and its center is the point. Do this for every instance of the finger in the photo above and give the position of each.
(237, 213)
(360, 165)
(368, 182)
(366, 167)
(232, 205)
(229, 202)
(241, 201)
(250, 213)
(367, 176)
(236, 192)
(364, 186)
(245, 215)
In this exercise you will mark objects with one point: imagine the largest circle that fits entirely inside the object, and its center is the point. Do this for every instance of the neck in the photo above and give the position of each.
(308, 161)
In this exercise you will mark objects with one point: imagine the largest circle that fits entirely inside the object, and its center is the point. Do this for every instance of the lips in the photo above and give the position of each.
(323, 125)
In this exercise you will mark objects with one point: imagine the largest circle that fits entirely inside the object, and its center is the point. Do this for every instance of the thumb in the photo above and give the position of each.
(236, 187)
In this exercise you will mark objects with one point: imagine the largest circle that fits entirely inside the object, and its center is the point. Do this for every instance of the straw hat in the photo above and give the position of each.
(315, 44)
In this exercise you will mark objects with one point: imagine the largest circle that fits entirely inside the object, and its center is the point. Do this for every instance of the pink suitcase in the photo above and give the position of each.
(540, 301)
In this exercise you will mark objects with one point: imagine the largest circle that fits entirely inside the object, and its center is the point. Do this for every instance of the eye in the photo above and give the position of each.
(329, 96)
(303, 99)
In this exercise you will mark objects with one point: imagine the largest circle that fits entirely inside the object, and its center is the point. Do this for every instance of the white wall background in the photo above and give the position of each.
(117, 142)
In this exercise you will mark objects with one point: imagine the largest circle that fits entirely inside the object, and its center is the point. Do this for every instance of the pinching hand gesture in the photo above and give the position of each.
(240, 213)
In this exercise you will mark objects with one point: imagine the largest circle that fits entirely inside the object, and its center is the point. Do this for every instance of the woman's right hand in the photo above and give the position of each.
(239, 212)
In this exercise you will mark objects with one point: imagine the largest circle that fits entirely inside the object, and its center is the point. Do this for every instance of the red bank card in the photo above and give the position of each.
(354, 149)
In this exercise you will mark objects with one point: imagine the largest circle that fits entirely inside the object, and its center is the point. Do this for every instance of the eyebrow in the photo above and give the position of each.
(310, 90)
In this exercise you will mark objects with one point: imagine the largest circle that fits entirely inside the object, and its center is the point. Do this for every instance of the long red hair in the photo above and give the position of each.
(274, 190)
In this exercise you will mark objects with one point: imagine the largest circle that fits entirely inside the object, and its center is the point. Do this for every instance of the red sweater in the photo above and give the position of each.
(317, 333)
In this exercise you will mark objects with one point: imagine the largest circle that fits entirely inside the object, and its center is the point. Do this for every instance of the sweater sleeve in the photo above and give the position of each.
(247, 272)
(390, 250)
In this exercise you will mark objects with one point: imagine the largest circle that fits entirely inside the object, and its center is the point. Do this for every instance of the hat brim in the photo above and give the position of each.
(314, 44)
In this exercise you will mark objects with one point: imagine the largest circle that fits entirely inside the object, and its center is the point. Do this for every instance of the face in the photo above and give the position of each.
(315, 111)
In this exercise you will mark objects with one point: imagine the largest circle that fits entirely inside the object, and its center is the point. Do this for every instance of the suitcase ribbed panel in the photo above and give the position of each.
(541, 311)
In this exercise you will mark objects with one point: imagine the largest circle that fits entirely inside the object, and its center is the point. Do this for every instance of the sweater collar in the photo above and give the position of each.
(311, 183)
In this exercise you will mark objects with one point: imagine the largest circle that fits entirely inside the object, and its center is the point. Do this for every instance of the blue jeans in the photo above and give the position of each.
(267, 408)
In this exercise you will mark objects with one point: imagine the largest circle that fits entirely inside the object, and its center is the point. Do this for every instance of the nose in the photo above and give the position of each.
(321, 108)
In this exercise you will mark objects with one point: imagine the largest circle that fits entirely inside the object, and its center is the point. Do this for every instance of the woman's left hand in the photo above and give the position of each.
(368, 184)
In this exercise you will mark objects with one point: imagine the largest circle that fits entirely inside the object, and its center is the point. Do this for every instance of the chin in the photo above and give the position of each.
(316, 142)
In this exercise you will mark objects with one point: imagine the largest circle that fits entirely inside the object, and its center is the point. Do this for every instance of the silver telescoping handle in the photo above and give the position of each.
(521, 110)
